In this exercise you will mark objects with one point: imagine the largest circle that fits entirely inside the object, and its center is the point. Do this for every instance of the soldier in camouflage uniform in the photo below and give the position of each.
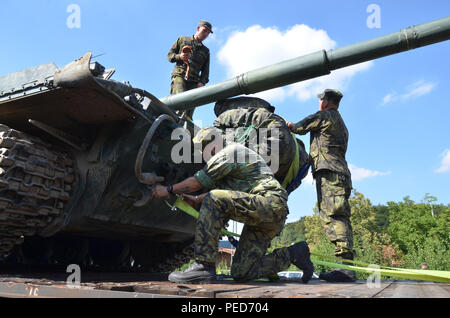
(243, 188)
(329, 138)
(254, 113)
(198, 62)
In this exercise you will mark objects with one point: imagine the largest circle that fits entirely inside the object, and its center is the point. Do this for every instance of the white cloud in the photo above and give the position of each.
(359, 174)
(414, 90)
(389, 98)
(418, 89)
(445, 163)
(258, 47)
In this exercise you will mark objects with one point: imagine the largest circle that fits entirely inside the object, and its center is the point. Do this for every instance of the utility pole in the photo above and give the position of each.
(430, 200)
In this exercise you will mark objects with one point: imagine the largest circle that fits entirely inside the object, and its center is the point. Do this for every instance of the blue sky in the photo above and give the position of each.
(396, 108)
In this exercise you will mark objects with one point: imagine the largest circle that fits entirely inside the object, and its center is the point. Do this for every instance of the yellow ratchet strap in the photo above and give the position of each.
(402, 273)
(183, 206)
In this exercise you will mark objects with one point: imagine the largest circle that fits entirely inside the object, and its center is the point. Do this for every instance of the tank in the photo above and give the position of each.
(79, 153)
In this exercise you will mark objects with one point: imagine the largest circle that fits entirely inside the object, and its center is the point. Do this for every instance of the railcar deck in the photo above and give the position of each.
(142, 285)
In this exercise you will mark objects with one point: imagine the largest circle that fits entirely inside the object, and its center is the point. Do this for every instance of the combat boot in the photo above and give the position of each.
(300, 257)
(339, 275)
(197, 273)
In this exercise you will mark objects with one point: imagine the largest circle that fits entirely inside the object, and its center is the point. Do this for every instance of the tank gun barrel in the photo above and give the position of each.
(313, 65)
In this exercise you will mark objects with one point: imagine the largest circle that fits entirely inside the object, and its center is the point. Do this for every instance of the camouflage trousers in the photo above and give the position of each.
(333, 191)
(263, 218)
(180, 85)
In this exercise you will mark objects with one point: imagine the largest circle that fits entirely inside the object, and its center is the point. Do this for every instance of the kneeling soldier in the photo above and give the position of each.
(243, 188)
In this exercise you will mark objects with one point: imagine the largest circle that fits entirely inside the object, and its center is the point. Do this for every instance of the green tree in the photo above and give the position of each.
(421, 234)
(371, 243)
(316, 238)
(292, 233)
(381, 217)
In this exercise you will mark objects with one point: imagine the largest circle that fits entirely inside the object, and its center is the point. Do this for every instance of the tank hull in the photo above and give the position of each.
(71, 117)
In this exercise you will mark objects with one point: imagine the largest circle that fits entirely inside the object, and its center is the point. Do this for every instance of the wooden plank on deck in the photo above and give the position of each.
(415, 289)
(315, 288)
(361, 290)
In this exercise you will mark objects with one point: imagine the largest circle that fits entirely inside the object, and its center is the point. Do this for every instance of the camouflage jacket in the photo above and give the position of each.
(238, 168)
(329, 139)
(262, 118)
(199, 61)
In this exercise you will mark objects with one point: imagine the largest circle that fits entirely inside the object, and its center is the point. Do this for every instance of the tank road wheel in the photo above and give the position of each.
(160, 257)
(109, 255)
(70, 250)
(35, 183)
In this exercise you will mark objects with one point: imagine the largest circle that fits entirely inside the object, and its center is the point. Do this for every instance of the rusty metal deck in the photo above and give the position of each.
(136, 285)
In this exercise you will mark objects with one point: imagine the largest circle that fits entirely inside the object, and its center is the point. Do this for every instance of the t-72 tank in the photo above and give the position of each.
(74, 145)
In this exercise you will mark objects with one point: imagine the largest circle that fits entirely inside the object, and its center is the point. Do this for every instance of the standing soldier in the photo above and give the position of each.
(245, 191)
(192, 62)
(329, 139)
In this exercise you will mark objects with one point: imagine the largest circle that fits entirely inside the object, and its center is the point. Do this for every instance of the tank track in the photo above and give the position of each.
(36, 181)
(35, 184)
(33, 255)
